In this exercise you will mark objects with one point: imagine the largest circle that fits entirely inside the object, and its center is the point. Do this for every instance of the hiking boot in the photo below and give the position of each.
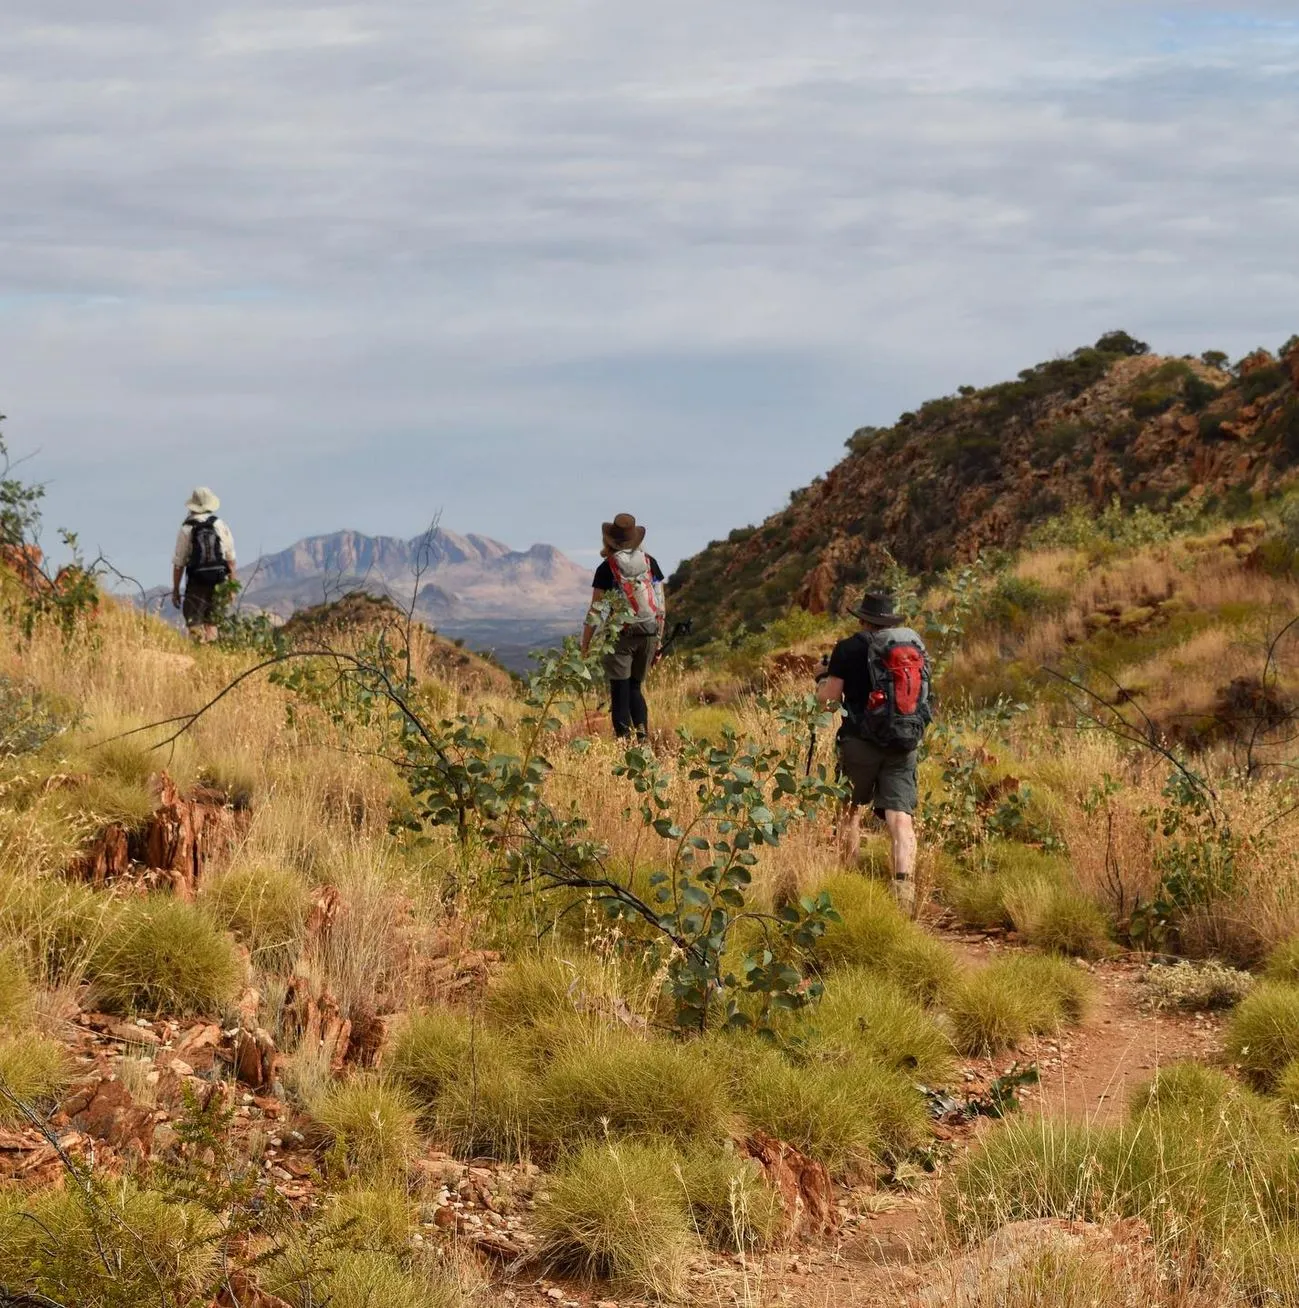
(904, 894)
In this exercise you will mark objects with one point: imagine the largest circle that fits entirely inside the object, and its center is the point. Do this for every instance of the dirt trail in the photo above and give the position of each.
(887, 1252)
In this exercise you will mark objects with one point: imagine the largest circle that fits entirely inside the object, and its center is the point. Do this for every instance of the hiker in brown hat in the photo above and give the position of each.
(880, 678)
(637, 577)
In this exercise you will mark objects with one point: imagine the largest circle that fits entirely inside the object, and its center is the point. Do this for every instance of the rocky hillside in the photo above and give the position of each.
(976, 470)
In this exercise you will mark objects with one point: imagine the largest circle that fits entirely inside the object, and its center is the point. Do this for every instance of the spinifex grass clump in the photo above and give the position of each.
(15, 988)
(265, 907)
(371, 1123)
(164, 955)
(475, 1088)
(731, 1206)
(55, 926)
(873, 934)
(618, 1211)
(1014, 997)
(34, 1070)
(847, 1112)
(864, 1015)
(1283, 963)
(117, 1247)
(630, 1085)
(1264, 1032)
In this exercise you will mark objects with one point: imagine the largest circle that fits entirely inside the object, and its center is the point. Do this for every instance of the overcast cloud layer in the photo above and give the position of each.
(533, 264)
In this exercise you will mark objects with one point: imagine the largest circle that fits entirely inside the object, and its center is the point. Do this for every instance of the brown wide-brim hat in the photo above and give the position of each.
(622, 533)
(876, 607)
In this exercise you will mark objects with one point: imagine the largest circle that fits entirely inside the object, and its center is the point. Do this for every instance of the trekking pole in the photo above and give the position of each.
(679, 629)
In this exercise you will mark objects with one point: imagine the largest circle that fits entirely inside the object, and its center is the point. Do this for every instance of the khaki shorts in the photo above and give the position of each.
(631, 657)
(882, 779)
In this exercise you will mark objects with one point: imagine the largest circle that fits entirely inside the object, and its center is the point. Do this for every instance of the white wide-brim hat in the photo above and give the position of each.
(202, 500)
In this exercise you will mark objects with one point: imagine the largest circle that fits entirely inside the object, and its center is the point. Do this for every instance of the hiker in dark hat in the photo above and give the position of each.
(880, 679)
(638, 579)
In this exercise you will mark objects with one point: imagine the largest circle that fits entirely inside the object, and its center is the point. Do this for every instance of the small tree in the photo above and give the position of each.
(1122, 343)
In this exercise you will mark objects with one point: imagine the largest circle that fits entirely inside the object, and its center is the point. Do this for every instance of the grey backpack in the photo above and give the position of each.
(634, 577)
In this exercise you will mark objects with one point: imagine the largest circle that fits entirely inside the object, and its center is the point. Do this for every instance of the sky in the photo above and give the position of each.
(524, 266)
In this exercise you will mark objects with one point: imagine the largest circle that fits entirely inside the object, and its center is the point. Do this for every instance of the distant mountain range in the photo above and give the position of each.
(453, 580)
(495, 598)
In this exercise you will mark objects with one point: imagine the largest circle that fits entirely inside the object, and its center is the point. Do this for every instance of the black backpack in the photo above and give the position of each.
(899, 707)
(207, 560)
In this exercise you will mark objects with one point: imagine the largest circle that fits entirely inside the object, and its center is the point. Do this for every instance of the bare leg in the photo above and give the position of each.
(850, 835)
(902, 834)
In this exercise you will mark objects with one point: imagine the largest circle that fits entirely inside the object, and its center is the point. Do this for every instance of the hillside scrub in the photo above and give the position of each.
(612, 964)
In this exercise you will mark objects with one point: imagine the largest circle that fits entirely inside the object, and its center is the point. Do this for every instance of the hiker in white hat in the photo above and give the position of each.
(205, 557)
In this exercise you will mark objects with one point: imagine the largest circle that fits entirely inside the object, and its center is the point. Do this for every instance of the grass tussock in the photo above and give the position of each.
(54, 1244)
(631, 1086)
(875, 935)
(15, 988)
(265, 908)
(1283, 963)
(846, 1112)
(615, 1211)
(164, 955)
(1264, 1033)
(56, 927)
(864, 1016)
(1014, 997)
(371, 1124)
(34, 1070)
(731, 1206)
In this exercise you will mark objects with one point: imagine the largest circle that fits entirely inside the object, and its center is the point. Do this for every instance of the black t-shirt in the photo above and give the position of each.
(849, 662)
(603, 579)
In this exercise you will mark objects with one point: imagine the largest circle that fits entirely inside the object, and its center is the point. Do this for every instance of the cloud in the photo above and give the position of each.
(355, 262)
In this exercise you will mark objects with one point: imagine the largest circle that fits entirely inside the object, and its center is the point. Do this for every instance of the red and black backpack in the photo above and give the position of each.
(898, 707)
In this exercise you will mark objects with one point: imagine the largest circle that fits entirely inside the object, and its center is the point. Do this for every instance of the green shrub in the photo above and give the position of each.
(371, 1124)
(616, 1211)
(1264, 1032)
(265, 908)
(164, 955)
(861, 1015)
(731, 1206)
(131, 1247)
(34, 1069)
(627, 1085)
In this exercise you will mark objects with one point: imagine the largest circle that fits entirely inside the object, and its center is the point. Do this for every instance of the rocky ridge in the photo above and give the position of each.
(977, 470)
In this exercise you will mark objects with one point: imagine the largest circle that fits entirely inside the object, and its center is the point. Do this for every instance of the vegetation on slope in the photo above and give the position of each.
(975, 471)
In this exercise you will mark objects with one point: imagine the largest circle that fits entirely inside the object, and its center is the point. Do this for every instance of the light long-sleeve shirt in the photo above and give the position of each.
(181, 557)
